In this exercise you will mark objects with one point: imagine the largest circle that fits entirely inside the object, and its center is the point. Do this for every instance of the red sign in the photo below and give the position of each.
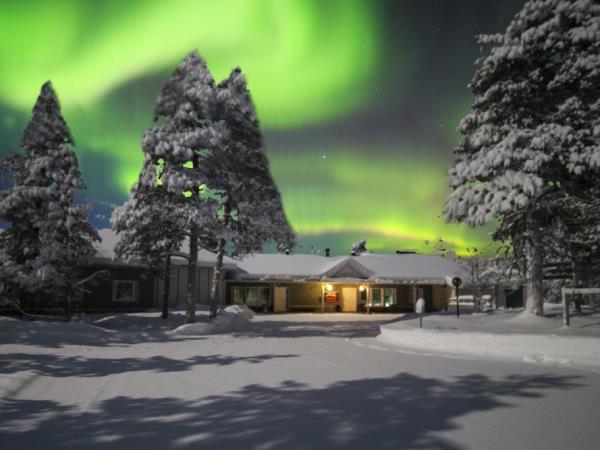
(331, 298)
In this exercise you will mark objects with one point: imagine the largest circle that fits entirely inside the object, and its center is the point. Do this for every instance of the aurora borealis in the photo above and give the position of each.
(358, 100)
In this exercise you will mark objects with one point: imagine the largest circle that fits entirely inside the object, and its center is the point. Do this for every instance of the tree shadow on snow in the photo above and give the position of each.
(59, 334)
(337, 329)
(79, 366)
(403, 411)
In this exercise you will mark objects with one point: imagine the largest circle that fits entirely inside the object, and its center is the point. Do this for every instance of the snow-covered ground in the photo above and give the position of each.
(503, 334)
(285, 381)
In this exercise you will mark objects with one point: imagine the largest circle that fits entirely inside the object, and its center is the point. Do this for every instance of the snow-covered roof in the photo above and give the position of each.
(411, 266)
(105, 250)
(287, 266)
(374, 268)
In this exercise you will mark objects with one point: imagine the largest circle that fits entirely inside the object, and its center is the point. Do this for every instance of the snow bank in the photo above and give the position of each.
(141, 321)
(14, 330)
(518, 337)
(234, 318)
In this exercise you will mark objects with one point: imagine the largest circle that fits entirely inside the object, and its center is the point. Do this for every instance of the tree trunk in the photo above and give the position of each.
(192, 285)
(216, 278)
(68, 311)
(576, 297)
(167, 288)
(534, 252)
(476, 284)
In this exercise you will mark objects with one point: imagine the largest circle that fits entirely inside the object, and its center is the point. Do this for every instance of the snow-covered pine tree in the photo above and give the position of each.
(534, 125)
(66, 235)
(251, 211)
(60, 237)
(19, 243)
(574, 249)
(185, 134)
(151, 226)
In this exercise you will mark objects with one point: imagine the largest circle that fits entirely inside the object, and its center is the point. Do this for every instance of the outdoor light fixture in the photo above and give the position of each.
(361, 288)
(329, 287)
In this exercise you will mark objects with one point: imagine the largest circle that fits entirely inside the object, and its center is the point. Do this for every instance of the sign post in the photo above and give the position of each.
(420, 309)
(456, 282)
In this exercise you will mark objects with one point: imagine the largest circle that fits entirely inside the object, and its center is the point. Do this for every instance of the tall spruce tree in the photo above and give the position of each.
(251, 212)
(58, 236)
(185, 133)
(533, 129)
(209, 148)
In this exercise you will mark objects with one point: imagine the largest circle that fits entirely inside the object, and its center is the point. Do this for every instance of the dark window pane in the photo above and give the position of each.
(252, 297)
(264, 295)
(376, 297)
(363, 296)
(238, 296)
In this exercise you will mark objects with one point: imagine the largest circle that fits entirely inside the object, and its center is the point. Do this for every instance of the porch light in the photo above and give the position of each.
(361, 288)
(329, 287)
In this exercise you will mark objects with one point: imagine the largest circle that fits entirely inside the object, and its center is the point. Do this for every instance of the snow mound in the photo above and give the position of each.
(526, 317)
(504, 342)
(51, 333)
(241, 310)
(140, 322)
(235, 318)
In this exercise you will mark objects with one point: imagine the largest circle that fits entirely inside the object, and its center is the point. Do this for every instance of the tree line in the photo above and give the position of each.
(205, 181)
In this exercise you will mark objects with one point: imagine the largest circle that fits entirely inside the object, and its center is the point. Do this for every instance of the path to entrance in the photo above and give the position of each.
(295, 381)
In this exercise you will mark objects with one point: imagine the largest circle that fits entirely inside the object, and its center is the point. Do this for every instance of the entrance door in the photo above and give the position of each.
(281, 300)
(349, 299)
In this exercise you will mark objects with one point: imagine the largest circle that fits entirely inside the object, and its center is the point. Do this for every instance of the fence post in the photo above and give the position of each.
(565, 303)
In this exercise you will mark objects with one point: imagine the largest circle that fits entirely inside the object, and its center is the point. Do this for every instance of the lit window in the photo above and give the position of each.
(388, 297)
(383, 297)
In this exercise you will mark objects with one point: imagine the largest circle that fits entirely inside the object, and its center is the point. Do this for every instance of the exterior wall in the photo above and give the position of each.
(404, 297)
(441, 295)
(149, 289)
(303, 294)
(100, 296)
(178, 286)
(307, 296)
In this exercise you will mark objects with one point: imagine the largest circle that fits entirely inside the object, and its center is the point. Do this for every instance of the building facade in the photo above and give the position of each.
(366, 283)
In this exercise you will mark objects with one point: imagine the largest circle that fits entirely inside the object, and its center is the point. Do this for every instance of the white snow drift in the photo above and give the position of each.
(507, 335)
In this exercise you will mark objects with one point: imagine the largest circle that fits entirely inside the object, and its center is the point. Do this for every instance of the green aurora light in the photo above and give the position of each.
(303, 66)
(391, 198)
(308, 62)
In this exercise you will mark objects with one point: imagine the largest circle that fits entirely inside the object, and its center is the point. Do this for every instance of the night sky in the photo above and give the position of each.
(358, 100)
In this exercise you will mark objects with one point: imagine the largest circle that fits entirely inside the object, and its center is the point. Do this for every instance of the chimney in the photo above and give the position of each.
(327, 250)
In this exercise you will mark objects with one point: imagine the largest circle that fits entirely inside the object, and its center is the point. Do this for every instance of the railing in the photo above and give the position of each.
(565, 302)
